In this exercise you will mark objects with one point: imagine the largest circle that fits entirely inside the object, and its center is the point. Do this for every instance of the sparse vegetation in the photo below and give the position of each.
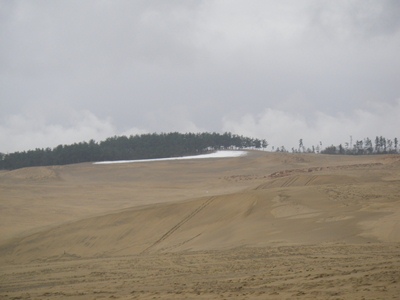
(365, 146)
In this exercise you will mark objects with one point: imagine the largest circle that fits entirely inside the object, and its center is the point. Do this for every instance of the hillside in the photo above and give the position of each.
(213, 227)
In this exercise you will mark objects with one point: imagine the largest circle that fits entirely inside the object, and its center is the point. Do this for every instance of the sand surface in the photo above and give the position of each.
(260, 226)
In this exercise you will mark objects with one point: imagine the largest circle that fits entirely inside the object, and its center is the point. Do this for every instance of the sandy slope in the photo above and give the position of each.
(267, 224)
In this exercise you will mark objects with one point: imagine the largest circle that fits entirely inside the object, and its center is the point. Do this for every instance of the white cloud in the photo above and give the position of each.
(133, 131)
(171, 119)
(286, 128)
(23, 131)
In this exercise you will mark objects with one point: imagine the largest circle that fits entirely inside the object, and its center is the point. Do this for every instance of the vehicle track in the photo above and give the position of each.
(178, 225)
(289, 182)
(310, 180)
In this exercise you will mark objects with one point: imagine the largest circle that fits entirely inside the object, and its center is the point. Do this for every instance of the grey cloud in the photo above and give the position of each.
(356, 19)
(286, 128)
(187, 65)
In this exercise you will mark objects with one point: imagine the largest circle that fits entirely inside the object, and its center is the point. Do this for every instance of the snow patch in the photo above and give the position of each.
(218, 154)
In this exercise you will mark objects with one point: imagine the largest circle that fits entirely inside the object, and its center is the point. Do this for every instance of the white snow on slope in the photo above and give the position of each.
(218, 154)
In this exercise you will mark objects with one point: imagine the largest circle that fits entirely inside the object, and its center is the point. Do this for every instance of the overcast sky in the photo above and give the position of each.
(72, 71)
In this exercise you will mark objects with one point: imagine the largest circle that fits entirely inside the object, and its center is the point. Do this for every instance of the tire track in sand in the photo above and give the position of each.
(180, 224)
(290, 181)
(310, 180)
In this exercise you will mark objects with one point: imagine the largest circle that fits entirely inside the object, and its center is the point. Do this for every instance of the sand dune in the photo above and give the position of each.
(265, 225)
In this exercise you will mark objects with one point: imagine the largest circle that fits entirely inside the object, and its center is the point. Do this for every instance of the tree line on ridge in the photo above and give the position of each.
(365, 146)
(164, 145)
(145, 146)
(381, 145)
